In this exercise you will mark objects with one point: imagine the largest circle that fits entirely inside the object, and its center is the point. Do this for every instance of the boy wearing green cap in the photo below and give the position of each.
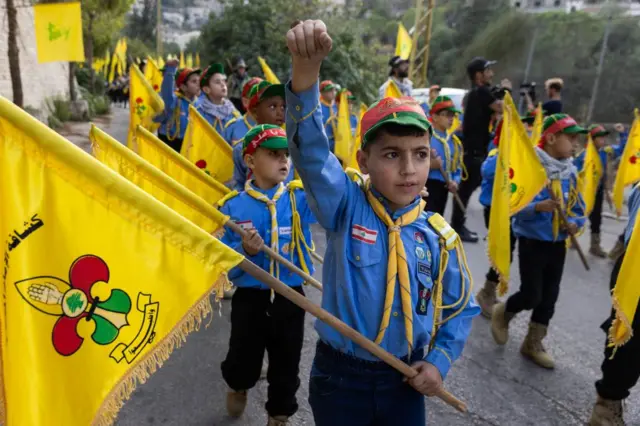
(393, 271)
(542, 239)
(329, 107)
(260, 320)
(213, 103)
(236, 128)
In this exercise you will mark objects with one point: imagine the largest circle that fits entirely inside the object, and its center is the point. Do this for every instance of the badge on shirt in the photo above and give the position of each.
(423, 268)
(285, 230)
(418, 237)
(285, 248)
(420, 253)
(424, 295)
(247, 225)
(363, 234)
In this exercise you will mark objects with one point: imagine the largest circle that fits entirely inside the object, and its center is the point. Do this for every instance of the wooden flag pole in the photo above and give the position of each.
(317, 257)
(456, 197)
(347, 331)
(565, 222)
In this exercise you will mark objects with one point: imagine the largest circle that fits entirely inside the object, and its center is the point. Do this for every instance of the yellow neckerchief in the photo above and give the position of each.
(447, 153)
(274, 268)
(176, 116)
(298, 241)
(397, 268)
(244, 118)
(331, 114)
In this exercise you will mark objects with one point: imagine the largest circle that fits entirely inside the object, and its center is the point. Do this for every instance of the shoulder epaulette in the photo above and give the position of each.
(354, 175)
(233, 120)
(493, 152)
(295, 184)
(444, 230)
(227, 197)
(236, 113)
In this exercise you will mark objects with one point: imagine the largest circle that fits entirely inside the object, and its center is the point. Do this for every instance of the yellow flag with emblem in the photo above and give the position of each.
(144, 104)
(58, 29)
(269, 75)
(629, 169)
(357, 141)
(205, 148)
(101, 282)
(519, 178)
(536, 132)
(590, 175)
(343, 134)
(154, 77)
(404, 44)
(392, 90)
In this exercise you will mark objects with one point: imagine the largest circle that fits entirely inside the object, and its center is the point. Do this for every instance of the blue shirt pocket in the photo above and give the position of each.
(362, 255)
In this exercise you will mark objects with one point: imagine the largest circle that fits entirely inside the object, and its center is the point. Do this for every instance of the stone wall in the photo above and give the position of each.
(39, 81)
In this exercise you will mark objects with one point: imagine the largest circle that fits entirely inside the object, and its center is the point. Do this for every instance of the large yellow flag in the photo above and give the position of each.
(519, 178)
(101, 282)
(404, 44)
(629, 169)
(536, 132)
(357, 141)
(269, 75)
(58, 30)
(343, 134)
(152, 74)
(590, 175)
(144, 103)
(205, 148)
(392, 90)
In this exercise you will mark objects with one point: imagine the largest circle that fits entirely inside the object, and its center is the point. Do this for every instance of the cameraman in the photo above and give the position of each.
(482, 102)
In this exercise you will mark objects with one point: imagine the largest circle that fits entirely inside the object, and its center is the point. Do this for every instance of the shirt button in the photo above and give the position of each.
(358, 258)
(395, 314)
(297, 107)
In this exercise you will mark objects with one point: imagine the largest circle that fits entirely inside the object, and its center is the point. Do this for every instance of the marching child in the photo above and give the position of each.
(399, 304)
(236, 128)
(179, 90)
(446, 151)
(328, 93)
(259, 319)
(542, 236)
(213, 103)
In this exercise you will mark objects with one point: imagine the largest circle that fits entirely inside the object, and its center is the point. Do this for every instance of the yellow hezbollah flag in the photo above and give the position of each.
(343, 130)
(152, 74)
(100, 283)
(58, 30)
(183, 63)
(536, 133)
(404, 44)
(392, 90)
(197, 60)
(204, 147)
(590, 175)
(189, 60)
(144, 103)
(629, 169)
(357, 141)
(519, 178)
(269, 75)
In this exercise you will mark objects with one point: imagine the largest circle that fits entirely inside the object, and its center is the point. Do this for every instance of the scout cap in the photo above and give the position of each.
(560, 123)
(530, 117)
(434, 87)
(248, 85)
(443, 103)
(264, 136)
(209, 72)
(327, 85)
(182, 75)
(478, 64)
(596, 130)
(404, 111)
(264, 90)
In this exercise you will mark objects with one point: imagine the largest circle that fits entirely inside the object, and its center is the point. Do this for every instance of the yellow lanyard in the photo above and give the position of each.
(176, 116)
(448, 168)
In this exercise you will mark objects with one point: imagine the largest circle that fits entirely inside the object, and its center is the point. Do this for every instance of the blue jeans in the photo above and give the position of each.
(348, 391)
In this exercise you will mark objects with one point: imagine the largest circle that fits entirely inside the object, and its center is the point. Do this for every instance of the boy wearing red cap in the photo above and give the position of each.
(236, 128)
(542, 239)
(329, 108)
(213, 103)
(260, 320)
(179, 90)
(392, 271)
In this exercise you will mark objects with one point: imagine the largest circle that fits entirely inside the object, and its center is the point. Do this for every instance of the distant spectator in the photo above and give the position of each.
(554, 87)
(399, 74)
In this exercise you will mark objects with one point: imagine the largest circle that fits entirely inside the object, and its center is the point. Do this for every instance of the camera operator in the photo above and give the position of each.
(482, 102)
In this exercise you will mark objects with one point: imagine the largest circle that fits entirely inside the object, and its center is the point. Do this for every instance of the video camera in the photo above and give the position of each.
(530, 89)
(498, 92)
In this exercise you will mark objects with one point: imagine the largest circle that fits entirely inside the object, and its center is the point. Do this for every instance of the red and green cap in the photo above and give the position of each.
(560, 123)
(264, 136)
(443, 103)
(209, 71)
(264, 90)
(530, 117)
(248, 85)
(405, 111)
(183, 74)
(350, 96)
(596, 130)
(327, 85)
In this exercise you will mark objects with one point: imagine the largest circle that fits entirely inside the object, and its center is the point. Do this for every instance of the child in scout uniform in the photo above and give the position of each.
(446, 151)
(329, 108)
(237, 127)
(179, 90)
(599, 136)
(213, 103)
(266, 105)
(261, 320)
(542, 239)
(400, 303)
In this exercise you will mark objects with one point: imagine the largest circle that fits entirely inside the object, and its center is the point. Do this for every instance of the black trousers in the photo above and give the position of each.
(438, 196)
(175, 144)
(541, 266)
(258, 324)
(621, 373)
(493, 275)
(473, 163)
(595, 218)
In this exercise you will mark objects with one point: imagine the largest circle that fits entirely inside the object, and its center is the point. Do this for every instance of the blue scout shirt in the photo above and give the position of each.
(250, 213)
(488, 172)
(615, 150)
(236, 128)
(240, 169)
(171, 101)
(539, 225)
(353, 120)
(634, 204)
(355, 263)
(436, 143)
(329, 118)
(216, 123)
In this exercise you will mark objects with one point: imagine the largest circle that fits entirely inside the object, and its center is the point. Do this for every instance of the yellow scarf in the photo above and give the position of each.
(451, 162)
(397, 268)
(274, 268)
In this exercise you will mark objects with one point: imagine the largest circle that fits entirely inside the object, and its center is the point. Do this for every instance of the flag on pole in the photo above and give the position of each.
(357, 142)
(404, 44)
(189, 60)
(183, 63)
(160, 62)
(392, 90)
(536, 133)
(343, 134)
(58, 29)
(144, 103)
(205, 148)
(197, 60)
(269, 75)
(590, 175)
(629, 169)
(519, 178)
(101, 282)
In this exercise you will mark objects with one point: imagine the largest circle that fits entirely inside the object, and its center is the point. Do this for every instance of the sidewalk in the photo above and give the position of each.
(116, 124)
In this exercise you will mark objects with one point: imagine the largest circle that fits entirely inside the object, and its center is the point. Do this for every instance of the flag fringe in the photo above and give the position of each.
(619, 321)
(503, 284)
(154, 359)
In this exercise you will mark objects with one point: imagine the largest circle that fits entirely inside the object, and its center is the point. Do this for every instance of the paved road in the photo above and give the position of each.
(499, 386)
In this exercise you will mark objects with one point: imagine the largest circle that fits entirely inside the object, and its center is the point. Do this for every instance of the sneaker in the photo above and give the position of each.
(236, 402)
(278, 421)
(607, 412)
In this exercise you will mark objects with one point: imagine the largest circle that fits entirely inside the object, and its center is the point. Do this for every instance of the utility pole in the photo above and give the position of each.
(596, 83)
(419, 59)
(14, 54)
(159, 46)
(532, 48)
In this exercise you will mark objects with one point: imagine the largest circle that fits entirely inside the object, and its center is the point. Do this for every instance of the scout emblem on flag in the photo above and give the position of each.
(363, 234)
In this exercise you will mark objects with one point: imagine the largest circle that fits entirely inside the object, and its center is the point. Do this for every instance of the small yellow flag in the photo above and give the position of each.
(357, 141)
(58, 30)
(404, 44)
(183, 63)
(519, 178)
(589, 177)
(189, 60)
(205, 148)
(629, 169)
(536, 133)
(101, 282)
(269, 75)
(160, 62)
(144, 103)
(343, 136)
(392, 90)
(197, 60)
